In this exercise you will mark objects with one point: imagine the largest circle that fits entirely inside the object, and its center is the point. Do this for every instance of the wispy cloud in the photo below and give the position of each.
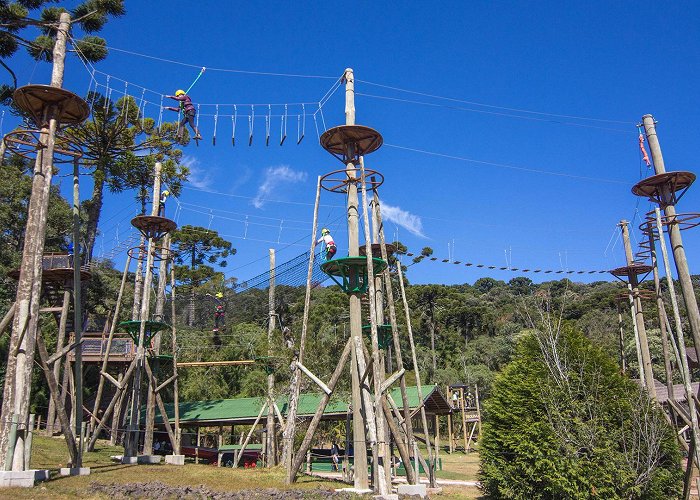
(406, 220)
(199, 177)
(274, 178)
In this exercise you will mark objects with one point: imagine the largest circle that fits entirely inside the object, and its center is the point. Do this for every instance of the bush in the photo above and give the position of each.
(563, 423)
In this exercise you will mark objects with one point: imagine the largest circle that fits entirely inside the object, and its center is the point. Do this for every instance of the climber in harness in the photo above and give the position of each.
(188, 113)
(327, 239)
(219, 311)
(161, 205)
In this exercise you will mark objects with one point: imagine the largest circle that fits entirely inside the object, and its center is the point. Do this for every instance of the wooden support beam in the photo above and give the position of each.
(399, 440)
(166, 383)
(161, 406)
(112, 379)
(186, 364)
(368, 370)
(313, 377)
(63, 352)
(390, 381)
(9, 316)
(55, 395)
(250, 433)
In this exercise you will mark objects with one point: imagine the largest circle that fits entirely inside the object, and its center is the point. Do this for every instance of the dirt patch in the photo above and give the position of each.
(160, 490)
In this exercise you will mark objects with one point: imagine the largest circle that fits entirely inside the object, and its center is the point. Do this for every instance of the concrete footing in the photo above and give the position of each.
(24, 479)
(129, 460)
(149, 459)
(75, 471)
(390, 496)
(413, 490)
(175, 459)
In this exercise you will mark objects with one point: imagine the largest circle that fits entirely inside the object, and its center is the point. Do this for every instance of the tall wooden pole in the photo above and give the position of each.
(271, 452)
(411, 476)
(176, 396)
(18, 374)
(77, 314)
(131, 445)
(661, 310)
(680, 340)
(647, 373)
(295, 381)
(361, 481)
(419, 388)
(674, 235)
(381, 452)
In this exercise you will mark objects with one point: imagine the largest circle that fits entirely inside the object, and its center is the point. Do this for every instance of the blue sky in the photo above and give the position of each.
(542, 189)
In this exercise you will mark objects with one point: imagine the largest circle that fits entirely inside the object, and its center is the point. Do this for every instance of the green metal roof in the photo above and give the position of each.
(249, 446)
(245, 410)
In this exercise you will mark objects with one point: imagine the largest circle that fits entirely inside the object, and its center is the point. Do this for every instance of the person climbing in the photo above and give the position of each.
(161, 206)
(188, 113)
(219, 310)
(327, 239)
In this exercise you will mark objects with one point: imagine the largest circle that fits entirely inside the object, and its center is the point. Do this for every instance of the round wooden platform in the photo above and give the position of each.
(654, 186)
(26, 143)
(153, 226)
(338, 181)
(633, 270)
(339, 140)
(35, 99)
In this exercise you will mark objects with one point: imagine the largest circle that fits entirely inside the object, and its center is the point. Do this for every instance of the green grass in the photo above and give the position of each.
(50, 453)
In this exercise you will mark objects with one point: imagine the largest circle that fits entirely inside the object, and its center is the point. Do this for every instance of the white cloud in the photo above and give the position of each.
(199, 178)
(407, 220)
(275, 177)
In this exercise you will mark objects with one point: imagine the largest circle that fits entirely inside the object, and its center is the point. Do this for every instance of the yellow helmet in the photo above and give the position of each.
(219, 295)
(325, 231)
(180, 92)
(166, 193)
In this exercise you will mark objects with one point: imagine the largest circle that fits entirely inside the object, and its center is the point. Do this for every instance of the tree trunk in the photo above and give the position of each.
(93, 210)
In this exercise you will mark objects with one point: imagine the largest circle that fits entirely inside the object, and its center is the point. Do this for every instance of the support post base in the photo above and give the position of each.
(413, 489)
(175, 459)
(75, 471)
(23, 479)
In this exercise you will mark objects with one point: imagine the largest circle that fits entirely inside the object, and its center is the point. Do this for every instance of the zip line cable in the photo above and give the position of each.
(496, 113)
(474, 103)
(506, 165)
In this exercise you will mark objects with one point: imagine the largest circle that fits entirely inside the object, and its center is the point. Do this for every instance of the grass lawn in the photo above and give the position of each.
(50, 453)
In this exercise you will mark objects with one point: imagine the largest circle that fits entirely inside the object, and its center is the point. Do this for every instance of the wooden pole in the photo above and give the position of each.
(674, 235)
(19, 367)
(250, 433)
(60, 342)
(623, 363)
(680, 340)
(7, 319)
(77, 312)
(108, 349)
(409, 328)
(361, 481)
(60, 409)
(114, 431)
(295, 381)
(138, 280)
(381, 454)
(410, 473)
(661, 311)
(160, 305)
(176, 396)
(131, 446)
(647, 373)
(464, 419)
(271, 452)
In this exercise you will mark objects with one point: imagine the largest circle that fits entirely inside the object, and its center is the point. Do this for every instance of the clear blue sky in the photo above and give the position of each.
(612, 61)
